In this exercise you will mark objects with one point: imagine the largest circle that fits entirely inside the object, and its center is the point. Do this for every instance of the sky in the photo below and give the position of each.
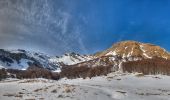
(83, 26)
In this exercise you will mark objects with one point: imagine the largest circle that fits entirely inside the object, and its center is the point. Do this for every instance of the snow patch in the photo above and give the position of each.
(111, 53)
(70, 59)
(146, 55)
(58, 70)
(144, 52)
(165, 57)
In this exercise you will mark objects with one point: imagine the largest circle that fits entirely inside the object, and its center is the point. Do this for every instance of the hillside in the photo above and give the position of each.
(22, 59)
(125, 56)
(127, 49)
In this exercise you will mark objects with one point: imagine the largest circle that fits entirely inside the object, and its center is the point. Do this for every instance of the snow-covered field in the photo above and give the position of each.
(115, 86)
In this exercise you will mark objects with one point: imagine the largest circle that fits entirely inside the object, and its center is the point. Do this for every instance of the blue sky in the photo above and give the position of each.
(83, 26)
(140, 20)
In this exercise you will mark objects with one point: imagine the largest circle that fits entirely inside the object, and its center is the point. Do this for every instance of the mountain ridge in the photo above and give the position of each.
(137, 49)
(117, 58)
(22, 59)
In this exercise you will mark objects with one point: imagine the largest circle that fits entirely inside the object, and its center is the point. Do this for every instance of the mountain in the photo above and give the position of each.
(70, 58)
(21, 60)
(130, 56)
(127, 49)
(125, 56)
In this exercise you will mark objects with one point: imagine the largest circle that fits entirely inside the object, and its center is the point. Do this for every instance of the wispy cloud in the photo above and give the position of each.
(45, 24)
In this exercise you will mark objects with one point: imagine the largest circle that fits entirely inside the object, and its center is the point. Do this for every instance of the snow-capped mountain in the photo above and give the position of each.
(21, 59)
(116, 55)
(120, 57)
(124, 52)
(70, 58)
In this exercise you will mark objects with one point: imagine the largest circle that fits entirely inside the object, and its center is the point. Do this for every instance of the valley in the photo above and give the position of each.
(114, 86)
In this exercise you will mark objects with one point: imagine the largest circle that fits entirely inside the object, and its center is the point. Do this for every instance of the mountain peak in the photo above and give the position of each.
(135, 49)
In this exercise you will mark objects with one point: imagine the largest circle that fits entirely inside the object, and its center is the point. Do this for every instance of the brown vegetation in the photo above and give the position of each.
(35, 72)
(148, 66)
(3, 74)
(84, 71)
(31, 72)
(92, 68)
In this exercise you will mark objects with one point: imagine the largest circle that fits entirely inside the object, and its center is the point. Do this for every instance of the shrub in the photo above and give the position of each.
(148, 66)
(3, 74)
(85, 71)
(33, 72)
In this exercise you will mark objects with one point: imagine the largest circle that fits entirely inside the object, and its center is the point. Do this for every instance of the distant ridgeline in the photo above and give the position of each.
(126, 56)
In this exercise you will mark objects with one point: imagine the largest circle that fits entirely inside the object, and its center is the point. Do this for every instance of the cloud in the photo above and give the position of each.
(44, 25)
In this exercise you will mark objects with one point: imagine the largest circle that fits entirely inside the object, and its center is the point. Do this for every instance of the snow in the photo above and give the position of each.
(1, 67)
(114, 86)
(58, 70)
(14, 51)
(165, 57)
(68, 59)
(120, 65)
(124, 56)
(131, 51)
(129, 54)
(49, 62)
(144, 52)
(22, 64)
(112, 58)
(111, 53)
(129, 87)
(146, 55)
